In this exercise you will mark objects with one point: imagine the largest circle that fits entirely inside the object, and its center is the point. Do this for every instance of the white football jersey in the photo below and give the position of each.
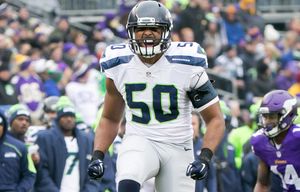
(157, 104)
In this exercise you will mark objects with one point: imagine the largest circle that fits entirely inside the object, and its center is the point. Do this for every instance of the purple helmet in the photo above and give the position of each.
(277, 102)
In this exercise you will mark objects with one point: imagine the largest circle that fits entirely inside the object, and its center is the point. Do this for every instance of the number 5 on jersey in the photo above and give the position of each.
(157, 92)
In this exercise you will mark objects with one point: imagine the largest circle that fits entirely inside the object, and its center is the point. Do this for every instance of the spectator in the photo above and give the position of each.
(84, 94)
(264, 81)
(5, 52)
(59, 67)
(246, 10)
(3, 24)
(70, 53)
(231, 67)
(213, 35)
(8, 94)
(19, 122)
(187, 34)
(50, 87)
(294, 24)
(271, 34)
(64, 168)
(290, 41)
(193, 17)
(96, 36)
(272, 55)
(62, 31)
(234, 29)
(29, 88)
(17, 172)
(286, 77)
(248, 55)
(49, 109)
(24, 17)
(79, 40)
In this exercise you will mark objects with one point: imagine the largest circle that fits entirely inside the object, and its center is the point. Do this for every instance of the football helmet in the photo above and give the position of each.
(149, 14)
(282, 104)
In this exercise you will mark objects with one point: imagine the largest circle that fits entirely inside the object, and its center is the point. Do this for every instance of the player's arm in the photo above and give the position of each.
(205, 99)
(107, 128)
(111, 117)
(215, 126)
(263, 175)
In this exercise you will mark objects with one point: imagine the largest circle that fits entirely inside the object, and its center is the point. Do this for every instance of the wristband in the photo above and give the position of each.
(98, 155)
(206, 154)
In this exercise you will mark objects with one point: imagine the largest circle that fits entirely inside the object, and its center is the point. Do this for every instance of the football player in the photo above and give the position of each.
(277, 142)
(156, 81)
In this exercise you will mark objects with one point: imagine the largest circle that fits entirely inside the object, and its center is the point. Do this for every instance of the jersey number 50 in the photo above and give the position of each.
(157, 92)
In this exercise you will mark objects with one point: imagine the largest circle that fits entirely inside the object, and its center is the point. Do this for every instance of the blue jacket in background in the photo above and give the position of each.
(53, 153)
(17, 172)
(210, 182)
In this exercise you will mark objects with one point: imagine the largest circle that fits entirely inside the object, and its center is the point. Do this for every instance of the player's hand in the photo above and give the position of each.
(96, 167)
(198, 169)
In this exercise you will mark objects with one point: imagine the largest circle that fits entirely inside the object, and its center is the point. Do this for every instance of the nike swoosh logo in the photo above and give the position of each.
(187, 149)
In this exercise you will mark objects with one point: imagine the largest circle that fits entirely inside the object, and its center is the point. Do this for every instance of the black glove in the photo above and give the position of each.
(96, 167)
(199, 168)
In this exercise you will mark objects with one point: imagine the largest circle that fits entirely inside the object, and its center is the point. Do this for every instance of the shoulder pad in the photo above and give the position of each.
(116, 50)
(190, 53)
(115, 55)
(258, 133)
(186, 48)
(256, 137)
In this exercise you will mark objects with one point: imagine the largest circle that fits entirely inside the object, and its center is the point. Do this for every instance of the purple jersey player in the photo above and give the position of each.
(277, 143)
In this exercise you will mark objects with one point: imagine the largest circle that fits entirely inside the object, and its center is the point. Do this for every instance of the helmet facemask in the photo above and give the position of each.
(281, 119)
(148, 47)
(270, 127)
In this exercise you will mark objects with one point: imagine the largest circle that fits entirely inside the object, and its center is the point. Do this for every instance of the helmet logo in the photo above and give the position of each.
(146, 21)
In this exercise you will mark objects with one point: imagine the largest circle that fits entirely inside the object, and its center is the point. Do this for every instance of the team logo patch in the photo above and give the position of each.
(10, 155)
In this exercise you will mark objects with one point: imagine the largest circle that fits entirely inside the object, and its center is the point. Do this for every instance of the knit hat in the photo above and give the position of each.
(16, 111)
(65, 111)
(270, 33)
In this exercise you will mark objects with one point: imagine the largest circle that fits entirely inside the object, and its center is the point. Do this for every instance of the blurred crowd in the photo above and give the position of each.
(50, 73)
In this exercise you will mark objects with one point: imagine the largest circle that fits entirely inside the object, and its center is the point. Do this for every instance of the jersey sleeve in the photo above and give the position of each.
(200, 85)
(114, 56)
(257, 144)
(104, 63)
(187, 53)
(193, 57)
